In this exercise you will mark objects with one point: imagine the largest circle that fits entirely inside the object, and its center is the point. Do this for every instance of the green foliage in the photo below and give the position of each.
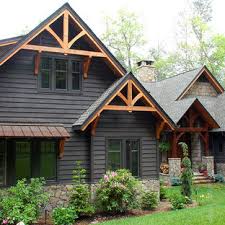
(124, 37)
(187, 174)
(219, 178)
(117, 191)
(64, 216)
(164, 146)
(149, 200)
(162, 191)
(177, 201)
(80, 195)
(175, 181)
(24, 201)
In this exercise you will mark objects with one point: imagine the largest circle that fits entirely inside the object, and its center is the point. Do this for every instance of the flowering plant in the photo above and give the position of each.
(117, 191)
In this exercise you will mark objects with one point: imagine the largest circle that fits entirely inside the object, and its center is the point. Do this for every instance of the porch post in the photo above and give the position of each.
(174, 167)
(174, 145)
(209, 162)
(206, 144)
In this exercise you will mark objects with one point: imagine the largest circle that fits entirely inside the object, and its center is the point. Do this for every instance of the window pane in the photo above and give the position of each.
(61, 73)
(76, 67)
(46, 64)
(23, 154)
(135, 163)
(48, 160)
(75, 81)
(114, 154)
(45, 79)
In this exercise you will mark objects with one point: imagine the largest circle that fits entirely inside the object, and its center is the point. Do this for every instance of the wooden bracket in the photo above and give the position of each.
(159, 128)
(37, 60)
(61, 147)
(86, 66)
(94, 125)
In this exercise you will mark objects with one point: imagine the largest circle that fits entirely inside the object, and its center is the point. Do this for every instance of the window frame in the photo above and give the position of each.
(124, 154)
(35, 155)
(52, 79)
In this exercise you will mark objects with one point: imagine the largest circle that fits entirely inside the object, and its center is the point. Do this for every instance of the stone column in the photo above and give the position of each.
(220, 168)
(174, 167)
(209, 162)
(196, 152)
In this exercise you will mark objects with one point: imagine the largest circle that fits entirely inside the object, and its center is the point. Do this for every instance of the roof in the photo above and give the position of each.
(33, 130)
(167, 91)
(93, 109)
(8, 53)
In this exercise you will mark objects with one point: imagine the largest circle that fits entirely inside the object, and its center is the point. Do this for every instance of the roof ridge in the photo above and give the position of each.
(180, 73)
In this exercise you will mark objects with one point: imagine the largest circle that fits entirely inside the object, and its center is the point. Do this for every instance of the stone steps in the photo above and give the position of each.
(199, 178)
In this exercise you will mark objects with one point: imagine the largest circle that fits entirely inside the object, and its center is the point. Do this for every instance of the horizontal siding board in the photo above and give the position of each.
(22, 101)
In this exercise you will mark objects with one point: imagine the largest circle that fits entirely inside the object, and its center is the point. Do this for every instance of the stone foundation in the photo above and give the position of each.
(220, 168)
(59, 195)
(209, 162)
(174, 167)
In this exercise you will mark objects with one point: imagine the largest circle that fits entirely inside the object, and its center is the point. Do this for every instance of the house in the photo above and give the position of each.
(64, 97)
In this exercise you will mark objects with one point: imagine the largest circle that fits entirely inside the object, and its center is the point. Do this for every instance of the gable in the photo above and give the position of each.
(204, 84)
(126, 94)
(64, 32)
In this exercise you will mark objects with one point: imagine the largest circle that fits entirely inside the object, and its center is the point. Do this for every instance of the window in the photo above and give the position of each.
(34, 158)
(23, 160)
(124, 153)
(114, 154)
(48, 160)
(60, 74)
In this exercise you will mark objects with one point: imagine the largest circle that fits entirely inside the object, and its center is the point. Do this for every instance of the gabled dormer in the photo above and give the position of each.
(203, 84)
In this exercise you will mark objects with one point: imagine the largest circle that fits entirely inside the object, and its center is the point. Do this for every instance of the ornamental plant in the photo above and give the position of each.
(187, 174)
(80, 195)
(23, 202)
(64, 216)
(117, 192)
(177, 201)
(149, 200)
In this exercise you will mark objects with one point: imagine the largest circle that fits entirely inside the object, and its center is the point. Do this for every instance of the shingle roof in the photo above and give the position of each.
(167, 91)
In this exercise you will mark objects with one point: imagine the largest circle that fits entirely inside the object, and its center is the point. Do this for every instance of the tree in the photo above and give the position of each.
(124, 37)
(187, 174)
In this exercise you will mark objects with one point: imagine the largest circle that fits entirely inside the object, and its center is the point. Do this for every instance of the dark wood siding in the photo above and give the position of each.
(126, 125)
(21, 101)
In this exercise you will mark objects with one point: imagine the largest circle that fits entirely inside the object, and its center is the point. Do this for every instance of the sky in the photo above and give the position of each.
(159, 17)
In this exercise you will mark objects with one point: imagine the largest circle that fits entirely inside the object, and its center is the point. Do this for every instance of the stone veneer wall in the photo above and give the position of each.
(59, 194)
(174, 167)
(220, 168)
(209, 162)
(201, 89)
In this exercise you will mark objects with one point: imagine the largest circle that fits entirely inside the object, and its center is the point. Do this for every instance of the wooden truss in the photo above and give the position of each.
(65, 45)
(130, 95)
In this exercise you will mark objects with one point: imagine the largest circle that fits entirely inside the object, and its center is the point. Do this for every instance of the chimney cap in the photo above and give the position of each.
(145, 62)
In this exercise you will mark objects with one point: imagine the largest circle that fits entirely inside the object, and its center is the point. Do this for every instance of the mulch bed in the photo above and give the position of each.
(101, 217)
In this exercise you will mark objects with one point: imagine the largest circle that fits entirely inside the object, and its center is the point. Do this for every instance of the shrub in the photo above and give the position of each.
(219, 178)
(24, 201)
(177, 201)
(117, 192)
(175, 181)
(64, 216)
(187, 174)
(149, 200)
(80, 196)
(162, 191)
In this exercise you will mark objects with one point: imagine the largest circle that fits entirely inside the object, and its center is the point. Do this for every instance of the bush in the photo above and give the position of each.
(162, 191)
(175, 181)
(80, 196)
(187, 174)
(149, 200)
(219, 178)
(64, 216)
(177, 201)
(24, 201)
(117, 192)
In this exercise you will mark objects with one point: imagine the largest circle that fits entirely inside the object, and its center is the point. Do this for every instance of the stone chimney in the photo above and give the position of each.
(146, 71)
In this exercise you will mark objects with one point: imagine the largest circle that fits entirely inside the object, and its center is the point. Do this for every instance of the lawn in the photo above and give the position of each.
(211, 211)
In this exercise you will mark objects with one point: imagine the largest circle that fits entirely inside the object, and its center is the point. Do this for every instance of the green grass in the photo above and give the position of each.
(210, 212)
